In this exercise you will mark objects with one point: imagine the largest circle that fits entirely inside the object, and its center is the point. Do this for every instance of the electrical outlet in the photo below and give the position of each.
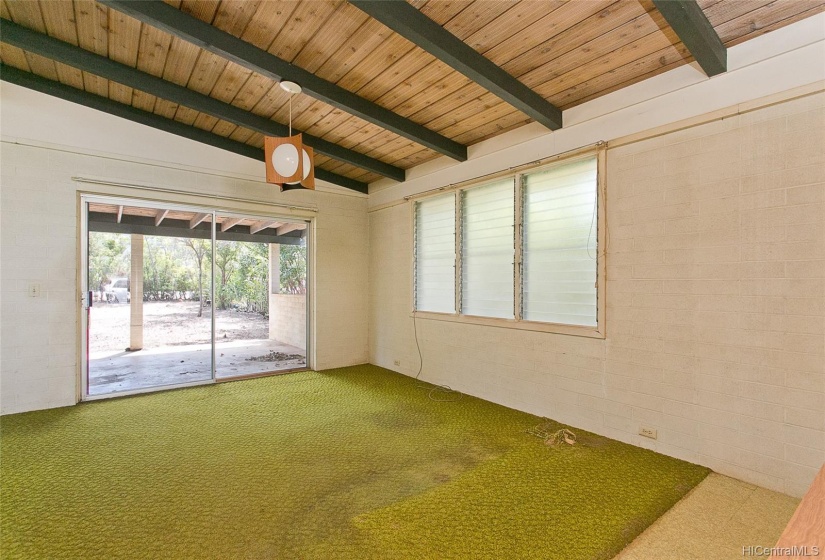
(34, 290)
(647, 432)
(397, 363)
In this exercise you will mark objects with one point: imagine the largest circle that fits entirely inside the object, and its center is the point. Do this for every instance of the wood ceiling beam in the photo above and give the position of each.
(39, 43)
(286, 228)
(189, 28)
(262, 225)
(74, 95)
(197, 219)
(689, 22)
(229, 223)
(161, 215)
(410, 23)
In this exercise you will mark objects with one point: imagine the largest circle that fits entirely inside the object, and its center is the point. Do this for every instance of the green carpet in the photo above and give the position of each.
(349, 463)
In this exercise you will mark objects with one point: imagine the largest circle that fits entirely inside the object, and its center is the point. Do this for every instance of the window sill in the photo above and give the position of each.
(570, 330)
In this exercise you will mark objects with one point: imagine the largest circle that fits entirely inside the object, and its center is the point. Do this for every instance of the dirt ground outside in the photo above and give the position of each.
(171, 323)
(178, 346)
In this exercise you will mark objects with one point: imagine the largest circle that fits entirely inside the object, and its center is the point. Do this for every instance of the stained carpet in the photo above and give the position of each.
(349, 463)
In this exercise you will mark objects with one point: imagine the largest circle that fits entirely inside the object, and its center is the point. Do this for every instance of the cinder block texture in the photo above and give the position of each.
(715, 305)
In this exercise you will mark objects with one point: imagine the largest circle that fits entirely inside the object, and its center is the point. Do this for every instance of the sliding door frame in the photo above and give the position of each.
(214, 211)
(308, 315)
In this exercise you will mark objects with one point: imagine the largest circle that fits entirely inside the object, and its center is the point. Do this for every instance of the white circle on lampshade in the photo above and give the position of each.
(307, 163)
(285, 160)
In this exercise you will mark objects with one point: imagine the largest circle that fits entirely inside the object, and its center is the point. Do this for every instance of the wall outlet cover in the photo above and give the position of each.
(648, 432)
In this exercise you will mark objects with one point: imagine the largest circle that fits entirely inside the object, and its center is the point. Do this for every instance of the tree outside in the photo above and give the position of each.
(293, 269)
(200, 248)
(168, 272)
(179, 269)
(109, 258)
(245, 286)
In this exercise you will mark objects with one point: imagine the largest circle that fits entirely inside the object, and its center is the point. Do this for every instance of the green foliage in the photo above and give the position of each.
(293, 269)
(174, 268)
(226, 263)
(108, 258)
(200, 248)
(249, 285)
(165, 269)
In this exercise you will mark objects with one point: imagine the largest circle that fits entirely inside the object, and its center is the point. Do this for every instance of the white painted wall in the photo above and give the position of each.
(716, 273)
(46, 142)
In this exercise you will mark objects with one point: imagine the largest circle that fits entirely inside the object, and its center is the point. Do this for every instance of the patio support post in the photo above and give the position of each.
(136, 294)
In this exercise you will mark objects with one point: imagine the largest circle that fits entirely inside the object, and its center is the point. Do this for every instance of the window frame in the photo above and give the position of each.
(599, 331)
(414, 246)
(460, 241)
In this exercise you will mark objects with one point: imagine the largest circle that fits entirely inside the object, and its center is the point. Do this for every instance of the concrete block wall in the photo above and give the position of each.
(341, 273)
(715, 305)
(39, 338)
(288, 319)
(38, 245)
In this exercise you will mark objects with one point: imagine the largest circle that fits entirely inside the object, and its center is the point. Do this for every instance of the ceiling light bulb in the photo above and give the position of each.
(285, 160)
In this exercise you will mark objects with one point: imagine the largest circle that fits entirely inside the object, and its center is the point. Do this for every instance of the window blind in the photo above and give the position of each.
(435, 254)
(559, 244)
(487, 250)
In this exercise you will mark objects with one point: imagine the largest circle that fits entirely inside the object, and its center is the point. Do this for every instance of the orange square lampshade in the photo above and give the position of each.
(289, 163)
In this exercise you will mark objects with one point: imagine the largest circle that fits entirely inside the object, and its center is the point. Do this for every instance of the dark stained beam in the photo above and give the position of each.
(689, 22)
(38, 43)
(68, 93)
(168, 18)
(144, 225)
(410, 23)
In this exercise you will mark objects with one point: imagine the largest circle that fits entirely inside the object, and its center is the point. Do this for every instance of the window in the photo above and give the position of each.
(487, 250)
(559, 244)
(435, 254)
(523, 250)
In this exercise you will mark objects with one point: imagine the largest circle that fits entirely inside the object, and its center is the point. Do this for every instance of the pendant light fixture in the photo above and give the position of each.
(289, 164)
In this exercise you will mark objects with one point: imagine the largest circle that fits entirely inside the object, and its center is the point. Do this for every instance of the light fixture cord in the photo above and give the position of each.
(290, 114)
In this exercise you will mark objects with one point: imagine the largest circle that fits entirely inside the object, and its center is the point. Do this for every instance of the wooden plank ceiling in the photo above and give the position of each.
(568, 52)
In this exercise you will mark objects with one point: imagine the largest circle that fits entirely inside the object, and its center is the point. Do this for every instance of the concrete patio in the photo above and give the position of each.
(117, 371)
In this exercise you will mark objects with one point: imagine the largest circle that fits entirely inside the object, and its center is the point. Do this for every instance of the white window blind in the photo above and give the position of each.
(435, 254)
(559, 244)
(487, 250)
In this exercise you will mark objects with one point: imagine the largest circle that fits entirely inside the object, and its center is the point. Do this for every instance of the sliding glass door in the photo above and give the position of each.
(260, 296)
(178, 296)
